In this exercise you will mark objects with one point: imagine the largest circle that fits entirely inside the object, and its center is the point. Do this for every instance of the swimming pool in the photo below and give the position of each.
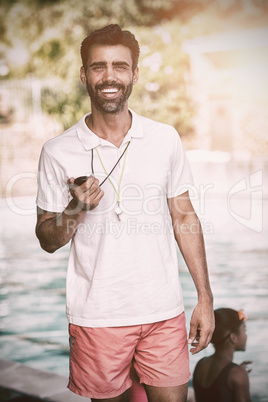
(32, 295)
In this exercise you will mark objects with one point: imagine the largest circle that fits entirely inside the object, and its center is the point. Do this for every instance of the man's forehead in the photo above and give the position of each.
(106, 53)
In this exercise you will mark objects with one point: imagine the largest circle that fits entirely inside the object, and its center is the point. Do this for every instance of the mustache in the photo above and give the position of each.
(110, 84)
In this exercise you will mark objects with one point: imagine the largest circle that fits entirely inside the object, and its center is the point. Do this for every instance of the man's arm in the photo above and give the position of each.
(54, 230)
(189, 236)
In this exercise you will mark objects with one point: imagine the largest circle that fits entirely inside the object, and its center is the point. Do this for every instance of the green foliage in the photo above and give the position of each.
(67, 105)
(42, 39)
(161, 93)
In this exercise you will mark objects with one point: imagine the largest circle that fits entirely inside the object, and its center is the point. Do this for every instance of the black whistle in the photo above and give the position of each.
(80, 180)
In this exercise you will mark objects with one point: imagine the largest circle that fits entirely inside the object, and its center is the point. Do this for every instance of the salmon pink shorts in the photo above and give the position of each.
(101, 358)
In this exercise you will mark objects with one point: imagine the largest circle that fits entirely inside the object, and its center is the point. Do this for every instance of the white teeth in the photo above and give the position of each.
(110, 90)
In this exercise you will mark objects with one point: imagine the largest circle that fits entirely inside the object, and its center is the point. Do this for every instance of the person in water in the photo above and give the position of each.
(216, 378)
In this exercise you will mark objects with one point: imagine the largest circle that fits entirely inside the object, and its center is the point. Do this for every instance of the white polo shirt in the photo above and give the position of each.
(120, 272)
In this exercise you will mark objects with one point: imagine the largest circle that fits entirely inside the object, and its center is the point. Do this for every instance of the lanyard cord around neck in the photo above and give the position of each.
(108, 174)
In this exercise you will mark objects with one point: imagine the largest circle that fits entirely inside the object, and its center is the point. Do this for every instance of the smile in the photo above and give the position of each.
(109, 90)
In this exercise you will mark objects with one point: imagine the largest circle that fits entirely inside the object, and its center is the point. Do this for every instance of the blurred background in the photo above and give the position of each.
(203, 69)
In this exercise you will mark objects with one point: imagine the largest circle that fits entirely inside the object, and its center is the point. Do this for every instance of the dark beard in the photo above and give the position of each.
(109, 105)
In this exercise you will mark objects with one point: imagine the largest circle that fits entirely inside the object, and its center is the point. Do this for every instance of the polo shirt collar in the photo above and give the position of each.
(90, 140)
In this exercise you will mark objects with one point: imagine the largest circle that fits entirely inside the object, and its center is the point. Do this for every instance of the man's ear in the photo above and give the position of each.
(136, 75)
(83, 75)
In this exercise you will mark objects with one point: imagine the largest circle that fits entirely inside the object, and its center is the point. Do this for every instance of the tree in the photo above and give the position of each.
(42, 39)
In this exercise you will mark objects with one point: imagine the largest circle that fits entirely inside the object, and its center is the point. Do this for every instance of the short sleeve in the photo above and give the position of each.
(52, 190)
(180, 176)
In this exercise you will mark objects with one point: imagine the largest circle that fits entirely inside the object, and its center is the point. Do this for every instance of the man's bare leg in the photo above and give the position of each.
(167, 394)
(120, 398)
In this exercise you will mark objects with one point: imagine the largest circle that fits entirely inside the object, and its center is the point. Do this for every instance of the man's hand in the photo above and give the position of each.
(88, 194)
(201, 327)
(54, 229)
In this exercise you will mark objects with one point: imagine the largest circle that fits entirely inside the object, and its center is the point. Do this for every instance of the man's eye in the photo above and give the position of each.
(120, 67)
(98, 68)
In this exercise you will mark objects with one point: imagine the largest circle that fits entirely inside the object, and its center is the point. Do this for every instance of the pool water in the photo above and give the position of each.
(32, 309)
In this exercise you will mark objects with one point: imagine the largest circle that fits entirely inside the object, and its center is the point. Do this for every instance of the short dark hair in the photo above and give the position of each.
(227, 321)
(111, 35)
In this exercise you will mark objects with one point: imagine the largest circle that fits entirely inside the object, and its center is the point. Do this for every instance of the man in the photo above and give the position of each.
(124, 300)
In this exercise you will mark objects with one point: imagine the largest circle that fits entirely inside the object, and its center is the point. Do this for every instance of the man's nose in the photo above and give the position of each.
(109, 74)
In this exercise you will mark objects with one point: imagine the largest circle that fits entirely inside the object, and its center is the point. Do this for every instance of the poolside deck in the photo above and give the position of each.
(20, 383)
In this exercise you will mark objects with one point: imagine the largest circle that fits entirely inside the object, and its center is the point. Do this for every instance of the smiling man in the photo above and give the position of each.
(117, 170)
(109, 95)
